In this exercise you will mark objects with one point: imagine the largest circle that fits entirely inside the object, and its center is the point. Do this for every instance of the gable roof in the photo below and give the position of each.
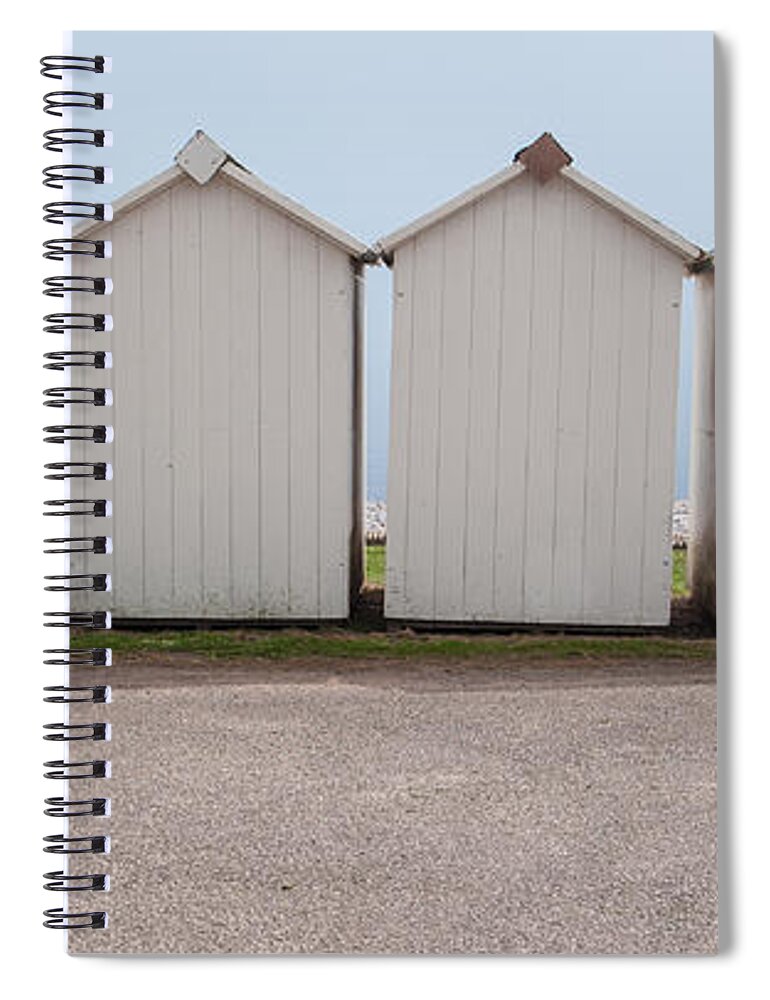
(545, 158)
(203, 159)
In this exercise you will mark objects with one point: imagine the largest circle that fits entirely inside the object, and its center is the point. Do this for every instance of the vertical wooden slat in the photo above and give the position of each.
(216, 332)
(275, 416)
(154, 369)
(423, 430)
(185, 401)
(398, 462)
(303, 444)
(481, 464)
(661, 439)
(128, 382)
(573, 367)
(243, 420)
(543, 401)
(514, 402)
(452, 373)
(602, 418)
(335, 440)
(628, 507)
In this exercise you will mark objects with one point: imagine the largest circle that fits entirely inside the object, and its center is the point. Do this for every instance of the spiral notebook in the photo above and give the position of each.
(386, 561)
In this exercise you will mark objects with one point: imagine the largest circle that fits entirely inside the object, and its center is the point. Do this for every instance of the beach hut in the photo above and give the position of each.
(536, 322)
(237, 350)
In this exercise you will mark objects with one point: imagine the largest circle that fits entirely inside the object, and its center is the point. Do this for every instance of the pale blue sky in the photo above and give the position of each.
(371, 129)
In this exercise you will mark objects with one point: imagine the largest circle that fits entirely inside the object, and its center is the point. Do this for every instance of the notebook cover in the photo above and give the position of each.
(411, 494)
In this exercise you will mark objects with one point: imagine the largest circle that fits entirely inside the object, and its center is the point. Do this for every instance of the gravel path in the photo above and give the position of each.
(401, 808)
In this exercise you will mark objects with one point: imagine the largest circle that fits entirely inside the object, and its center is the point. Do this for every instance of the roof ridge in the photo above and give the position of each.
(545, 159)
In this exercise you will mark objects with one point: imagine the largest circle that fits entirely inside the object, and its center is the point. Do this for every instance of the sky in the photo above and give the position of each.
(372, 129)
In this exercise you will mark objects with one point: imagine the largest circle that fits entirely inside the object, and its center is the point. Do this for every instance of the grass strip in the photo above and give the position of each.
(335, 644)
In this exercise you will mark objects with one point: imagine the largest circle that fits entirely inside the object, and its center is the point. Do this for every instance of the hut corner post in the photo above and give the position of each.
(702, 561)
(357, 540)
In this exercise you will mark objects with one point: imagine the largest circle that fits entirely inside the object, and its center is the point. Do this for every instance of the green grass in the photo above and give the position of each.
(375, 565)
(339, 644)
(290, 644)
(679, 586)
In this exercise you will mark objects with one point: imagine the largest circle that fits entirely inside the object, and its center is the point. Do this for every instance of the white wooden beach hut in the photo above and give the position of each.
(237, 350)
(535, 355)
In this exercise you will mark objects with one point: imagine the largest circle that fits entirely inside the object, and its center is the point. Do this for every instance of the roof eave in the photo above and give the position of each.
(387, 244)
(251, 183)
(248, 182)
(689, 252)
(131, 199)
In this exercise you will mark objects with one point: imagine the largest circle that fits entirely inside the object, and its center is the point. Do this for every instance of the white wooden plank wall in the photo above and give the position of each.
(186, 382)
(535, 341)
(483, 410)
(547, 319)
(453, 365)
(514, 394)
(336, 430)
(572, 407)
(303, 450)
(233, 383)
(424, 417)
(602, 408)
(400, 437)
(155, 433)
(661, 437)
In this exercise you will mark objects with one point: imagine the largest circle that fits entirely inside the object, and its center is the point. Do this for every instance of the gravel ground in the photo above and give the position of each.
(402, 808)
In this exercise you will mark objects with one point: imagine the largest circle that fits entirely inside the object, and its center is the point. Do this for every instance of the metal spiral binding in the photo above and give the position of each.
(59, 920)
(58, 361)
(99, 470)
(69, 248)
(59, 249)
(59, 285)
(57, 138)
(90, 322)
(59, 844)
(69, 508)
(74, 883)
(57, 100)
(60, 807)
(53, 65)
(59, 174)
(58, 211)
(59, 433)
(98, 544)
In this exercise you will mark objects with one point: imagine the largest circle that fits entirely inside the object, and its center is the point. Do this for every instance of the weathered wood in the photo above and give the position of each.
(400, 422)
(688, 252)
(186, 379)
(574, 370)
(702, 559)
(423, 427)
(216, 461)
(245, 281)
(336, 440)
(512, 450)
(483, 381)
(157, 470)
(235, 436)
(453, 365)
(661, 437)
(532, 436)
(602, 405)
